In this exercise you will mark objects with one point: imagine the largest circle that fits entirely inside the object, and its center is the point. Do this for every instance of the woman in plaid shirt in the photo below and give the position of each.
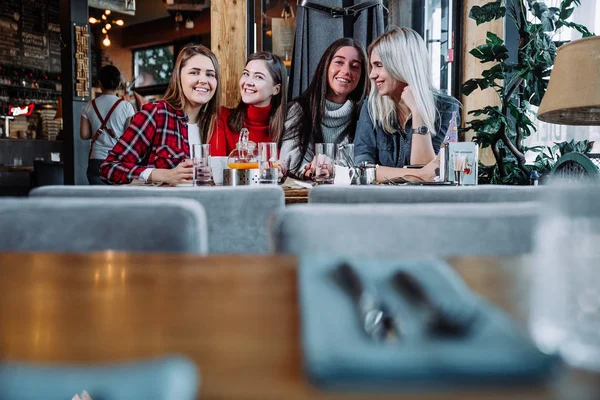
(155, 148)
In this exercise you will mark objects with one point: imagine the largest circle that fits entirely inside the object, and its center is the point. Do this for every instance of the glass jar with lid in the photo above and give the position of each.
(245, 154)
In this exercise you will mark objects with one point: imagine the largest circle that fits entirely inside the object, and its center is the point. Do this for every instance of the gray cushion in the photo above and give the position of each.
(426, 194)
(163, 378)
(81, 225)
(407, 230)
(238, 217)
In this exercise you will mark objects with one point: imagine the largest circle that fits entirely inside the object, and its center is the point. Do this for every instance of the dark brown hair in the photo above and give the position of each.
(278, 102)
(312, 101)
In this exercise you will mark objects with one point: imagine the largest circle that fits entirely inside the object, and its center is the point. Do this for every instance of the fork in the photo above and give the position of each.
(443, 318)
(374, 315)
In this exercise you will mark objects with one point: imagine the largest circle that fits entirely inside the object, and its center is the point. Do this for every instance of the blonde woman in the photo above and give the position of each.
(405, 118)
(155, 148)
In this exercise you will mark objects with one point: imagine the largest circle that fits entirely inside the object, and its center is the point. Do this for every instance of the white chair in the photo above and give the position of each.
(82, 225)
(426, 194)
(163, 378)
(407, 230)
(238, 217)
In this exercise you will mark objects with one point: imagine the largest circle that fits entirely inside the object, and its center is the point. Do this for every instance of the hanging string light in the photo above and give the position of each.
(107, 25)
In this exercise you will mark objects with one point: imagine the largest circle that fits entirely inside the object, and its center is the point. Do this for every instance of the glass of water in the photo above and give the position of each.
(267, 163)
(200, 154)
(324, 162)
(565, 288)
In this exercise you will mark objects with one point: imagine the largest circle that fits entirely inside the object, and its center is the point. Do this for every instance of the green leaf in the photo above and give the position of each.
(493, 49)
(488, 12)
(579, 28)
(469, 86)
(547, 16)
(566, 13)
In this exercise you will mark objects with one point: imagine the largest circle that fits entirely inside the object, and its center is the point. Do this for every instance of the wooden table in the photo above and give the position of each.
(18, 168)
(235, 316)
(296, 196)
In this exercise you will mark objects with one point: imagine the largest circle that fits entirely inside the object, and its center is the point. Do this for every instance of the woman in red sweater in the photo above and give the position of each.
(262, 110)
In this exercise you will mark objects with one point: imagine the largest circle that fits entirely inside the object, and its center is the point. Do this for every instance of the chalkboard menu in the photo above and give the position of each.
(30, 34)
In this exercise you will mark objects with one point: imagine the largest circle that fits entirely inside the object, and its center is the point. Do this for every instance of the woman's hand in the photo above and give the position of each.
(409, 99)
(282, 169)
(309, 169)
(427, 173)
(323, 166)
(183, 173)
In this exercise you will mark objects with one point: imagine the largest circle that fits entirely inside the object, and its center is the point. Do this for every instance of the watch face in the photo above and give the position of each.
(422, 130)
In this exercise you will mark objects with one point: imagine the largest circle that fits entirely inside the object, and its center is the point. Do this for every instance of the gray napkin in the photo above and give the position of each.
(337, 353)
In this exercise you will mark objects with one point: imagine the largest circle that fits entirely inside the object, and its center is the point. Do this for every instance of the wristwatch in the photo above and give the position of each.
(422, 130)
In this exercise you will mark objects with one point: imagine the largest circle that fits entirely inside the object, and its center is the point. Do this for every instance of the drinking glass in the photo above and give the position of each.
(200, 154)
(267, 163)
(565, 286)
(324, 162)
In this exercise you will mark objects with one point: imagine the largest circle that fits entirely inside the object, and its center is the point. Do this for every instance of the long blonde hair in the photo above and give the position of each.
(404, 56)
(207, 116)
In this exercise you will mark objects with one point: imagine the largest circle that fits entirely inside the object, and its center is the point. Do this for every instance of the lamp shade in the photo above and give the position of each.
(573, 95)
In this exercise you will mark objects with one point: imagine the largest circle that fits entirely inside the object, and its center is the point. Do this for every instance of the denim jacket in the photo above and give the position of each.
(375, 146)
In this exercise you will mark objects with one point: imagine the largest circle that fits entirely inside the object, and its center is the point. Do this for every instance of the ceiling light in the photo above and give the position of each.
(189, 23)
(107, 12)
(106, 41)
(107, 26)
(104, 31)
(104, 17)
(170, 2)
(93, 20)
(119, 22)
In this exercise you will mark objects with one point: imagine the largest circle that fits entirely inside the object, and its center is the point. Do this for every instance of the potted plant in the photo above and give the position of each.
(519, 85)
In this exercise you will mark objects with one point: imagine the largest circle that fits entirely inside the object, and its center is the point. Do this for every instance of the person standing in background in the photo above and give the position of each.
(103, 120)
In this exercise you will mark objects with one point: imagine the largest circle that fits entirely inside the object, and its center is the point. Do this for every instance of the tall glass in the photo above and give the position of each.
(200, 154)
(267, 162)
(565, 295)
(324, 163)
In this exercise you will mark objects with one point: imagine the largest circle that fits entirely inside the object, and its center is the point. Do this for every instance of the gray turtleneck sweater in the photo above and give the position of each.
(334, 126)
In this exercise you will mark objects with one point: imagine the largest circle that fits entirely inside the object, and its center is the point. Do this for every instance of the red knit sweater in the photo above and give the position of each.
(256, 120)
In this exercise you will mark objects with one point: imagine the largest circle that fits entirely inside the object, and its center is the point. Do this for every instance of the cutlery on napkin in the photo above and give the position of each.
(443, 318)
(373, 313)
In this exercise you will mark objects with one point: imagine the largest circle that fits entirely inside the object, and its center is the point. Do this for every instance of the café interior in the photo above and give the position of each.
(468, 286)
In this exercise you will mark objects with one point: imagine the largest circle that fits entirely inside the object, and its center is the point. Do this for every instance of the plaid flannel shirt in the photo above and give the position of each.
(157, 137)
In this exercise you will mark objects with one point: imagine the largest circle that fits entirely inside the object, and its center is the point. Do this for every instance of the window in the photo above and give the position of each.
(437, 21)
(588, 14)
(152, 67)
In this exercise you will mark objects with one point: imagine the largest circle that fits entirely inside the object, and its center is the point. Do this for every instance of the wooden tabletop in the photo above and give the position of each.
(235, 316)
(296, 196)
(18, 168)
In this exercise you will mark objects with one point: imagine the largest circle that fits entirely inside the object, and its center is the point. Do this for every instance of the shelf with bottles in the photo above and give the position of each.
(29, 79)
(19, 86)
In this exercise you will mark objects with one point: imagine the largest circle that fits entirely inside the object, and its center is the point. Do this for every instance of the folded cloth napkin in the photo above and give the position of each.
(338, 354)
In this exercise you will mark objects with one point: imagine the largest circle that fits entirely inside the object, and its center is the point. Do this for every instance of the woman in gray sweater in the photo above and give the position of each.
(328, 110)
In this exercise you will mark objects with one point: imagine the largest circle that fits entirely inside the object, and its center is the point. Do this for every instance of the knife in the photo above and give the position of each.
(374, 315)
(443, 317)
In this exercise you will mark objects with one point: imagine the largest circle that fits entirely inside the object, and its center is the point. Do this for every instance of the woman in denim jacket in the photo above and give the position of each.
(404, 120)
